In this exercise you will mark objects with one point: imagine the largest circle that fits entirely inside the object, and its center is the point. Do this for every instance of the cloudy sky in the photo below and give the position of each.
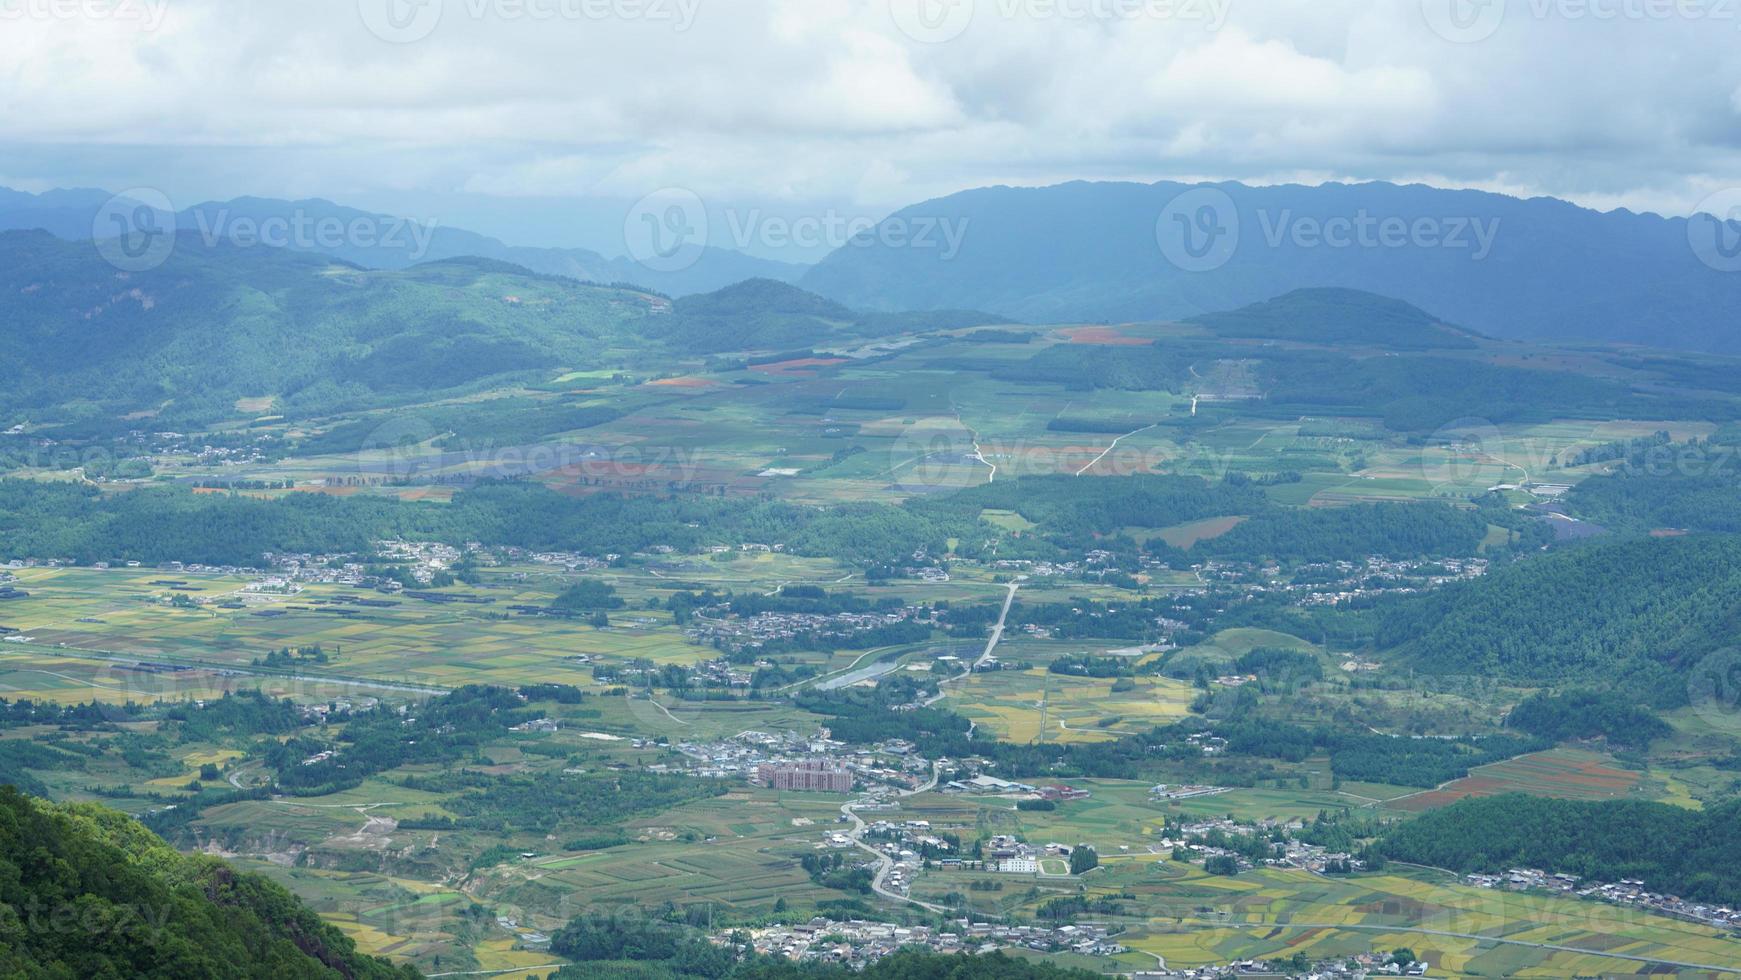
(538, 119)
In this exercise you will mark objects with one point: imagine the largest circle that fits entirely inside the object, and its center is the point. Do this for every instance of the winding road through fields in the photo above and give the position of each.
(886, 864)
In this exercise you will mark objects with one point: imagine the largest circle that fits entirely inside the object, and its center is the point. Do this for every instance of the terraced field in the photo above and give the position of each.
(1194, 919)
(1565, 773)
(1037, 706)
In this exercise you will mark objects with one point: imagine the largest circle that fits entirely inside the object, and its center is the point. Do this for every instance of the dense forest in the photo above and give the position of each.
(1586, 714)
(1656, 486)
(1353, 533)
(1611, 611)
(42, 520)
(1690, 853)
(154, 525)
(764, 314)
(1074, 515)
(1338, 317)
(88, 892)
(218, 323)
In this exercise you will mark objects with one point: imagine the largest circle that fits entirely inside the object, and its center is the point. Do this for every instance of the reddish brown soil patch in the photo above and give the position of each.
(1104, 337)
(1541, 774)
(803, 365)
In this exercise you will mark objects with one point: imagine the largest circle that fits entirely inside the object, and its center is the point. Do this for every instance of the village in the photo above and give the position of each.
(1630, 893)
(716, 626)
(814, 762)
(857, 943)
(1363, 966)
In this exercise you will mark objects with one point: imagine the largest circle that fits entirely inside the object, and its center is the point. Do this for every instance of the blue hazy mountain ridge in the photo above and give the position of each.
(387, 242)
(1538, 269)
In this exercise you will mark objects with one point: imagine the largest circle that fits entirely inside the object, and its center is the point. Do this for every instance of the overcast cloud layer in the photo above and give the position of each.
(528, 118)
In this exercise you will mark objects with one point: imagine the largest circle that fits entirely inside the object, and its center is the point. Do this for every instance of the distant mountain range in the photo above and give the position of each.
(380, 241)
(1538, 269)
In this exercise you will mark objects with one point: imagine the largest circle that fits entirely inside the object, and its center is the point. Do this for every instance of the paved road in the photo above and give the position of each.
(990, 646)
(997, 630)
(1109, 449)
(886, 864)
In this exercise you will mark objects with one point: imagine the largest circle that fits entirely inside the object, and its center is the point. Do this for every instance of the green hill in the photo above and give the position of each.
(1338, 317)
(1599, 612)
(1693, 854)
(216, 324)
(88, 892)
(763, 314)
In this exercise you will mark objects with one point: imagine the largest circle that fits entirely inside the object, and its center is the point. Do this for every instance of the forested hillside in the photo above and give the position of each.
(89, 892)
(765, 314)
(1338, 316)
(1690, 853)
(216, 324)
(1076, 513)
(1661, 486)
(1603, 611)
(40, 520)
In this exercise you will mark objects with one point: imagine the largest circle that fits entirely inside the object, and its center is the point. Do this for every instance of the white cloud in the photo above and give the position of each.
(829, 101)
